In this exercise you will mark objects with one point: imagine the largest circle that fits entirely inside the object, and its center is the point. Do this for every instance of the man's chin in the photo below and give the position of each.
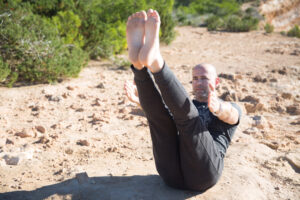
(202, 98)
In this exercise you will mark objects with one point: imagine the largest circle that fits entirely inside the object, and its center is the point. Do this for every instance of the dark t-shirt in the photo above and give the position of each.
(221, 132)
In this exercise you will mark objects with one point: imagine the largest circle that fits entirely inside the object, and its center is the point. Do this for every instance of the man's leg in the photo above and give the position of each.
(162, 128)
(201, 166)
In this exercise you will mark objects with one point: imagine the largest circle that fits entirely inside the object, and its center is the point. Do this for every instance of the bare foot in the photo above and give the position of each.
(131, 92)
(135, 35)
(149, 54)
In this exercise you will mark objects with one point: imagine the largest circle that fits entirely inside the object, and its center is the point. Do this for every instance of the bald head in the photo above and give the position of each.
(203, 76)
(206, 68)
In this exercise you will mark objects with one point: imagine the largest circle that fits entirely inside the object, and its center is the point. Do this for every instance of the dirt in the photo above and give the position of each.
(82, 139)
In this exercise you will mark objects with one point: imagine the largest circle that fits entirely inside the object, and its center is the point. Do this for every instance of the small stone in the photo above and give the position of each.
(252, 108)
(227, 76)
(273, 80)
(70, 88)
(11, 160)
(65, 95)
(286, 95)
(293, 109)
(272, 145)
(81, 96)
(259, 122)
(82, 178)
(22, 134)
(101, 86)
(251, 131)
(258, 78)
(69, 151)
(8, 141)
(294, 158)
(79, 110)
(40, 129)
(83, 143)
(42, 140)
(251, 99)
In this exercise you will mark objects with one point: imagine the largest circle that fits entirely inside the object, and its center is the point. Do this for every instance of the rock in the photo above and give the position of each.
(42, 140)
(83, 143)
(11, 160)
(251, 131)
(259, 122)
(227, 96)
(81, 96)
(294, 159)
(238, 76)
(272, 145)
(70, 88)
(252, 108)
(8, 141)
(293, 109)
(273, 80)
(251, 99)
(40, 129)
(101, 86)
(79, 110)
(69, 151)
(82, 178)
(258, 78)
(227, 76)
(22, 134)
(53, 98)
(286, 95)
(278, 108)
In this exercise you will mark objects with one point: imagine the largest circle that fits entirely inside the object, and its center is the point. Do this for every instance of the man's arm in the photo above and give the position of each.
(223, 110)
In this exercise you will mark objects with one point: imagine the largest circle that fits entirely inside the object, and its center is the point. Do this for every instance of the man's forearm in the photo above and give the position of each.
(228, 113)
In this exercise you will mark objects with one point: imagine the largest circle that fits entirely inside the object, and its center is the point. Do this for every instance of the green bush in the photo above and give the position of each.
(34, 52)
(269, 28)
(294, 32)
(231, 23)
(4, 70)
(68, 25)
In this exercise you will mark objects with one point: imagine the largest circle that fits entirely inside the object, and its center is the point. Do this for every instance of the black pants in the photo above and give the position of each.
(185, 153)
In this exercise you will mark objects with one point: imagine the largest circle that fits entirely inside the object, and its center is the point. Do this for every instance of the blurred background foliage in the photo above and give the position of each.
(44, 41)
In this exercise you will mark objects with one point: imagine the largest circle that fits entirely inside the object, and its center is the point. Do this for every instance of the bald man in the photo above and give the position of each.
(189, 137)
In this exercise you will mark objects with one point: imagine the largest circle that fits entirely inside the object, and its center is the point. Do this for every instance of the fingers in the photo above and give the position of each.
(211, 87)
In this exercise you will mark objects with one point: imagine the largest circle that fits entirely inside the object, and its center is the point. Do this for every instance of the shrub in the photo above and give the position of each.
(269, 28)
(68, 25)
(234, 23)
(4, 70)
(34, 52)
(294, 32)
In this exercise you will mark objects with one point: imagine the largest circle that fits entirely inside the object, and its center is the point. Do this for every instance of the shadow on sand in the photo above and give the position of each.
(104, 188)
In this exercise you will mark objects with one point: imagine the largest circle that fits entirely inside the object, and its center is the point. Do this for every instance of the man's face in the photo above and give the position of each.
(203, 75)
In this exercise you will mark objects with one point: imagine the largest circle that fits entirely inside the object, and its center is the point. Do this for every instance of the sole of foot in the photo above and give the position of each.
(149, 54)
(135, 35)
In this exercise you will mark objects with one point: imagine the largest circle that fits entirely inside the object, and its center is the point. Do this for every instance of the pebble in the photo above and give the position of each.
(11, 160)
(83, 143)
(40, 129)
(22, 134)
(294, 158)
(293, 109)
(82, 177)
(286, 95)
(70, 88)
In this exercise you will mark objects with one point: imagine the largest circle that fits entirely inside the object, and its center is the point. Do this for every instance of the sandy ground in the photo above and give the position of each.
(82, 139)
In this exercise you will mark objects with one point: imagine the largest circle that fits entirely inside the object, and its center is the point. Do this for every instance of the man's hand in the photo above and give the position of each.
(223, 110)
(213, 101)
(131, 92)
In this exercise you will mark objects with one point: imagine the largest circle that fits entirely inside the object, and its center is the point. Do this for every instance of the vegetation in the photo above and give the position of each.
(269, 28)
(42, 41)
(217, 15)
(294, 32)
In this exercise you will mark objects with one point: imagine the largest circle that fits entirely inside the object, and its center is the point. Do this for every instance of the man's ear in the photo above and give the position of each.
(217, 81)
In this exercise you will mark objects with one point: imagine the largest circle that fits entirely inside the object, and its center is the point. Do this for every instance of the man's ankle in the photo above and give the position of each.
(157, 65)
